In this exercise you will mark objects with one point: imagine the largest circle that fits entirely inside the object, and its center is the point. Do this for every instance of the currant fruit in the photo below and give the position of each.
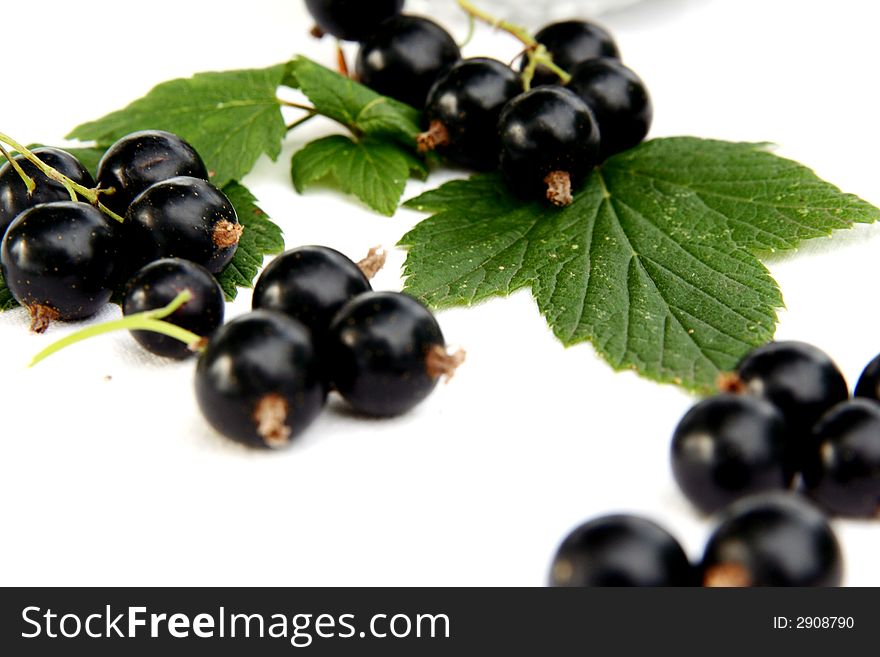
(259, 381)
(182, 217)
(404, 57)
(386, 353)
(799, 379)
(461, 115)
(549, 142)
(310, 284)
(772, 539)
(842, 469)
(570, 43)
(14, 196)
(729, 446)
(157, 284)
(621, 550)
(141, 159)
(619, 100)
(58, 261)
(868, 385)
(352, 20)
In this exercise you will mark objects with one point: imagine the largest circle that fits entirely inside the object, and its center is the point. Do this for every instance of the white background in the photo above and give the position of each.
(108, 475)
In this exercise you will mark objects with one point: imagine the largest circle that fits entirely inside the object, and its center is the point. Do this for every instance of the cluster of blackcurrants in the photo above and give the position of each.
(63, 259)
(316, 326)
(476, 113)
(782, 440)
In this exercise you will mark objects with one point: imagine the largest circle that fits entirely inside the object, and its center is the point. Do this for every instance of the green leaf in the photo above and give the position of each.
(261, 237)
(230, 118)
(374, 171)
(355, 106)
(654, 262)
(7, 302)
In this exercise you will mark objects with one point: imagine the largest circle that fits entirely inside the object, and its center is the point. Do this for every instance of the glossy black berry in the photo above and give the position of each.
(842, 469)
(549, 142)
(385, 353)
(181, 217)
(311, 284)
(570, 43)
(462, 111)
(772, 539)
(14, 196)
(144, 158)
(157, 284)
(404, 57)
(259, 380)
(619, 100)
(58, 261)
(868, 385)
(621, 550)
(352, 20)
(799, 379)
(729, 446)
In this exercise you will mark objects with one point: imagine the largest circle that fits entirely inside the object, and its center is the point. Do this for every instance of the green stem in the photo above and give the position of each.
(73, 187)
(300, 121)
(149, 320)
(26, 179)
(536, 53)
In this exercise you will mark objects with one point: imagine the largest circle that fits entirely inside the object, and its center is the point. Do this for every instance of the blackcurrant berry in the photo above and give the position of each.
(141, 159)
(549, 142)
(621, 550)
(570, 43)
(259, 381)
(461, 115)
(619, 100)
(182, 217)
(311, 284)
(842, 469)
(772, 539)
(386, 353)
(157, 284)
(868, 385)
(404, 57)
(799, 379)
(729, 446)
(14, 196)
(352, 20)
(58, 261)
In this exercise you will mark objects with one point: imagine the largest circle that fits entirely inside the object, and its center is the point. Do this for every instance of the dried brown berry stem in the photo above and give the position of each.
(373, 262)
(41, 317)
(559, 188)
(271, 418)
(227, 234)
(440, 362)
(436, 135)
(727, 575)
(730, 382)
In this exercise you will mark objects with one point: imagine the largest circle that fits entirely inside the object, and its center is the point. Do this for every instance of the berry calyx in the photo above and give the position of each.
(141, 159)
(729, 446)
(384, 353)
(351, 20)
(772, 539)
(462, 111)
(569, 43)
(158, 284)
(404, 57)
(549, 142)
(620, 550)
(182, 217)
(619, 101)
(259, 380)
(58, 259)
(842, 467)
(15, 197)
